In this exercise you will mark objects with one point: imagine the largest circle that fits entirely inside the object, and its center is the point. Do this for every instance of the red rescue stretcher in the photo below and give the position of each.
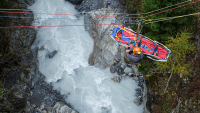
(155, 50)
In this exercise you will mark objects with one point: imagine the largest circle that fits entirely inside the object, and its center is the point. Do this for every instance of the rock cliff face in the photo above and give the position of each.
(22, 86)
(105, 48)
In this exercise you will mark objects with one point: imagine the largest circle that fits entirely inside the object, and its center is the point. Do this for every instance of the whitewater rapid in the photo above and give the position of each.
(90, 89)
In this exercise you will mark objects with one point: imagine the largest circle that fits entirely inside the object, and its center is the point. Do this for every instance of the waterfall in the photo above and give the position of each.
(89, 89)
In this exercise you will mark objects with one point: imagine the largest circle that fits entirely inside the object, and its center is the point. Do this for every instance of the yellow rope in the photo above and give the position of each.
(126, 31)
(170, 17)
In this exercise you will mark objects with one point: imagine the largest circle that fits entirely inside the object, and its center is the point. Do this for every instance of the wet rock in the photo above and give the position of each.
(38, 95)
(42, 106)
(135, 70)
(140, 84)
(141, 79)
(131, 74)
(140, 98)
(25, 78)
(137, 102)
(41, 48)
(138, 89)
(123, 75)
(128, 70)
(75, 1)
(28, 107)
(29, 2)
(35, 81)
(51, 55)
(61, 108)
(139, 94)
(120, 70)
(135, 78)
(30, 38)
(106, 109)
(18, 94)
(117, 79)
(113, 68)
(146, 100)
(39, 110)
(44, 111)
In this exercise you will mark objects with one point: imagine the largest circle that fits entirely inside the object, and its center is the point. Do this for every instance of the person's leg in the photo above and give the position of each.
(126, 60)
(138, 64)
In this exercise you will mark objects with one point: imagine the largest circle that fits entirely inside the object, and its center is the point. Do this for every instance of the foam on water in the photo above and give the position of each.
(91, 89)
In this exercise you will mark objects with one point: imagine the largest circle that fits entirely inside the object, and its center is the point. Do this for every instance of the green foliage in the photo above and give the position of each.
(0, 92)
(3, 2)
(181, 49)
(146, 65)
(167, 105)
(133, 6)
(160, 31)
(1, 89)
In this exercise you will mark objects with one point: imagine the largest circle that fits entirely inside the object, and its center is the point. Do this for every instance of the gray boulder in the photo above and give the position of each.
(128, 70)
(137, 102)
(117, 79)
(61, 108)
(120, 70)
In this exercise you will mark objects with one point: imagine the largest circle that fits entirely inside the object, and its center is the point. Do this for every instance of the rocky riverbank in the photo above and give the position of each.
(22, 86)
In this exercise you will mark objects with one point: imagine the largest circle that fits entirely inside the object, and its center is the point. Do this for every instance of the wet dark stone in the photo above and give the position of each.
(141, 99)
(140, 84)
(141, 80)
(120, 70)
(75, 1)
(30, 38)
(51, 55)
(149, 101)
(28, 2)
(11, 78)
(113, 68)
(38, 95)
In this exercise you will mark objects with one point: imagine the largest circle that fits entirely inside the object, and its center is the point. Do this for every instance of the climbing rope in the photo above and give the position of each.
(64, 14)
(83, 12)
(61, 18)
(169, 18)
(173, 8)
(167, 7)
(151, 21)
(64, 25)
(91, 12)
(163, 19)
(100, 16)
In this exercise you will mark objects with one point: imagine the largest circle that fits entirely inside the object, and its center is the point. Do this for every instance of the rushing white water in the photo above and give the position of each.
(91, 89)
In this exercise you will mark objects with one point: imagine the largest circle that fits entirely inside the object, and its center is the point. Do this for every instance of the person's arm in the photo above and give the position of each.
(127, 48)
(131, 50)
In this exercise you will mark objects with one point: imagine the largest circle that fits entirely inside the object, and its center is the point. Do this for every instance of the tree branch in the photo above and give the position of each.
(170, 76)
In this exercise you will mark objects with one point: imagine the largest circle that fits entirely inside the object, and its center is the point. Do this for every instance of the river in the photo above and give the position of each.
(89, 89)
